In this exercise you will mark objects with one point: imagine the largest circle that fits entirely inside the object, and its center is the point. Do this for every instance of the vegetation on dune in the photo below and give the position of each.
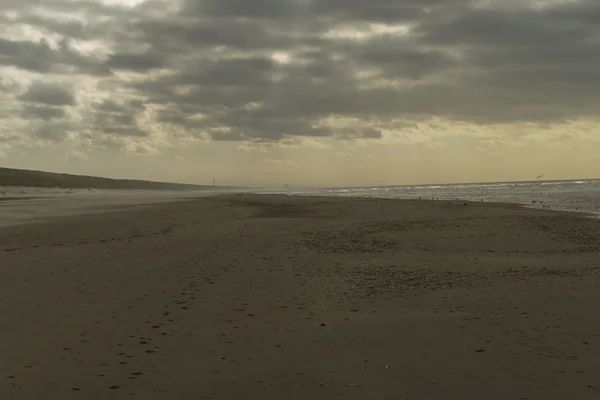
(21, 177)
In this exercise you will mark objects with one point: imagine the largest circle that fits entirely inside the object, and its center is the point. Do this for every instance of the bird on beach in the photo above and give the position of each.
(539, 176)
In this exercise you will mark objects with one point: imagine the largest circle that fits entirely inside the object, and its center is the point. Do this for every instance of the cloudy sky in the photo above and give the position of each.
(305, 92)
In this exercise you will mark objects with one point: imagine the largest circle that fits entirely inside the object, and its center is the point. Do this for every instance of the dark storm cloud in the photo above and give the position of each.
(117, 118)
(396, 56)
(45, 113)
(508, 65)
(224, 72)
(40, 57)
(249, 126)
(173, 36)
(393, 11)
(68, 28)
(268, 9)
(52, 131)
(136, 62)
(127, 131)
(381, 11)
(583, 11)
(512, 28)
(240, 72)
(48, 94)
(107, 119)
(89, 8)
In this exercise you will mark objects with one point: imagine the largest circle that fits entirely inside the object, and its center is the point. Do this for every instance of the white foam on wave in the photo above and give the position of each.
(579, 195)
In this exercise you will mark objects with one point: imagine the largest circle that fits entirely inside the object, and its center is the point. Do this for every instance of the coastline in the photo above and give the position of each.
(586, 213)
(265, 296)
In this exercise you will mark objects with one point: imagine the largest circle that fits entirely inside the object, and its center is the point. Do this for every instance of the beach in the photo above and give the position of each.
(282, 297)
(29, 205)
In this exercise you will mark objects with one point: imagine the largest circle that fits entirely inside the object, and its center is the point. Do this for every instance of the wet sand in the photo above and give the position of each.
(275, 297)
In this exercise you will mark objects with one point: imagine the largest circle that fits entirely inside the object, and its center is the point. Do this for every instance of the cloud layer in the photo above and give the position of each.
(157, 73)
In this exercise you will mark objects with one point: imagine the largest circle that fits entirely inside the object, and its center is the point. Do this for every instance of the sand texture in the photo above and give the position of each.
(275, 297)
(27, 205)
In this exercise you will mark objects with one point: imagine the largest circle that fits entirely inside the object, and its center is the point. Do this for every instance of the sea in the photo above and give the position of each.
(568, 195)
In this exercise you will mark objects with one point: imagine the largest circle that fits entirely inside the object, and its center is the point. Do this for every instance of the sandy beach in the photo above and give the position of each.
(20, 205)
(278, 297)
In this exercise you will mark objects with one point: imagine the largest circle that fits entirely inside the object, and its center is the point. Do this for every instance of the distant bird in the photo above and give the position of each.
(539, 176)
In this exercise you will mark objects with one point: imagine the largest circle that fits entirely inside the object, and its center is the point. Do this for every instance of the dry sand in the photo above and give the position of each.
(274, 297)
(26, 204)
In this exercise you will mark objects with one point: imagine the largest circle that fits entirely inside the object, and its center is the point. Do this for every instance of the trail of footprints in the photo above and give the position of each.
(134, 234)
(132, 365)
(122, 368)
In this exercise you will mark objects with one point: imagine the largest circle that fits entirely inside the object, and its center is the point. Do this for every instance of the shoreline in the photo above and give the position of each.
(47, 192)
(84, 205)
(590, 214)
(454, 202)
(132, 202)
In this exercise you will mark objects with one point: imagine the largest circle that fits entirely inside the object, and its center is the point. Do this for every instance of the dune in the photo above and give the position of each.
(41, 179)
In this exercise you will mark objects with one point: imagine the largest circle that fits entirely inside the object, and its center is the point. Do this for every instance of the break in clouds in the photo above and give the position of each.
(271, 70)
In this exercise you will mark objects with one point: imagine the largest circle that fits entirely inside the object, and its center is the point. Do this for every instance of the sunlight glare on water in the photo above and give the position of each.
(576, 195)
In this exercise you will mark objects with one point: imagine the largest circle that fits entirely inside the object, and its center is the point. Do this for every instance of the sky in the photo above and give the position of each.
(302, 92)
